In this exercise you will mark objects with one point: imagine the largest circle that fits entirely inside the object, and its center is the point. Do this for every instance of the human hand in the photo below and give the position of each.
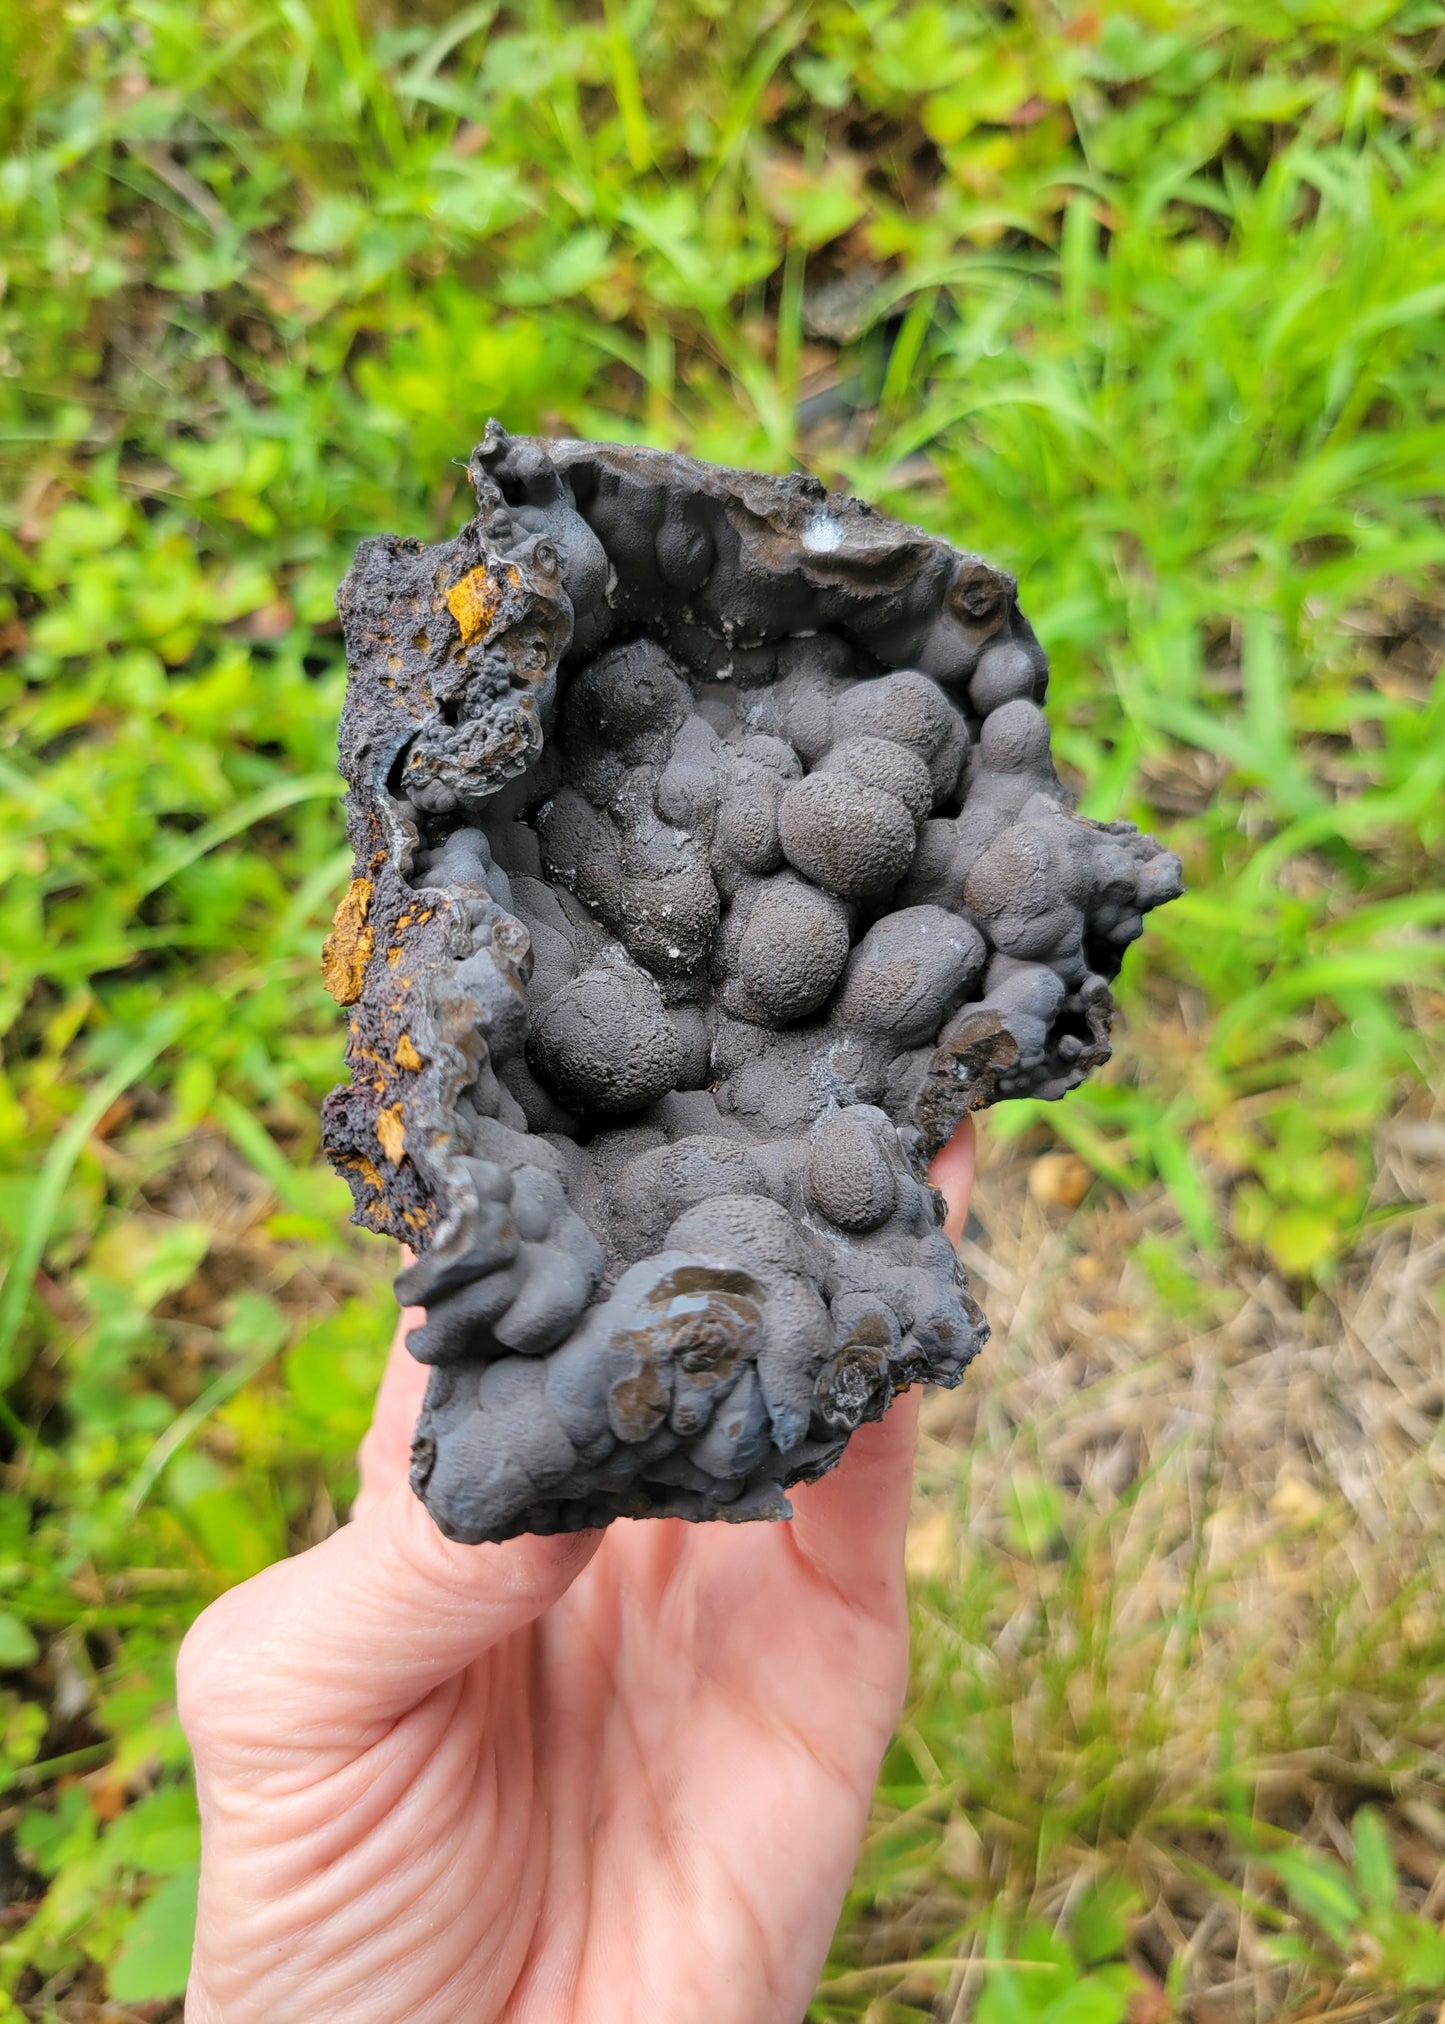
(596, 1779)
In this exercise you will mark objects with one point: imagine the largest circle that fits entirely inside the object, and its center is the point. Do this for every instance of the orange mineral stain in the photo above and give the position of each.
(390, 1133)
(473, 604)
(347, 949)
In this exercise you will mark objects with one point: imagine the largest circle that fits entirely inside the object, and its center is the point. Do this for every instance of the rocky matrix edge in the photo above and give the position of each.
(710, 865)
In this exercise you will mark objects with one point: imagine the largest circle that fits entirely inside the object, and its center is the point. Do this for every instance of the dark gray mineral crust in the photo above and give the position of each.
(710, 865)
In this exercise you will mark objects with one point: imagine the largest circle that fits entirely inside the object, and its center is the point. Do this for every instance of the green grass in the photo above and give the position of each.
(1153, 312)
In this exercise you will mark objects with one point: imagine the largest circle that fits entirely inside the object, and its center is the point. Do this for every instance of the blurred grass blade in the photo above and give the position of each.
(298, 1190)
(471, 21)
(158, 1034)
(256, 808)
(627, 86)
(187, 1423)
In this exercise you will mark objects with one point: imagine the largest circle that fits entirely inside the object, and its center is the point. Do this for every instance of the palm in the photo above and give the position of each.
(715, 1710)
(560, 1780)
(696, 1724)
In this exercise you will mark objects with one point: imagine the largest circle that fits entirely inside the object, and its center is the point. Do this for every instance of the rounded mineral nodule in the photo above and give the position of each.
(847, 837)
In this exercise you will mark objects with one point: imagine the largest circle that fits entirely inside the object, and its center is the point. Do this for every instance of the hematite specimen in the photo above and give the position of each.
(710, 864)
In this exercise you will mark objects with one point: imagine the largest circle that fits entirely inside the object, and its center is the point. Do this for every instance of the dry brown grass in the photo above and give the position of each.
(1176, 1552)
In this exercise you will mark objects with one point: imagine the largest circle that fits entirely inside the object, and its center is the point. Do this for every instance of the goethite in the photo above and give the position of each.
(710, 865)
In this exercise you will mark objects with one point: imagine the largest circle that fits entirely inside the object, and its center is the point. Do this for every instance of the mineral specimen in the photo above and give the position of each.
(710, 865)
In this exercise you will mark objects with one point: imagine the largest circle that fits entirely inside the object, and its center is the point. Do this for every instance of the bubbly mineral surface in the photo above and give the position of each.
(710, 864)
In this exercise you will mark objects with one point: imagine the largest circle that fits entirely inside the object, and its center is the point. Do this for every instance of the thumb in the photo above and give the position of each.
(320, 1651)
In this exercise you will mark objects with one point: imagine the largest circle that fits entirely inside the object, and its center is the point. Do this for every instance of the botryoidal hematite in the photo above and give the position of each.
(710, 865)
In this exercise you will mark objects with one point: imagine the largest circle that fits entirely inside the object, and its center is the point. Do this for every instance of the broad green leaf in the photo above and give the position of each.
(1099, 1922)
(1034, 1513)
(17, 1643)
(49, 1837)
(155, 1955)
(1374, 1864)
(1093, 2000)
(1318, 1887)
